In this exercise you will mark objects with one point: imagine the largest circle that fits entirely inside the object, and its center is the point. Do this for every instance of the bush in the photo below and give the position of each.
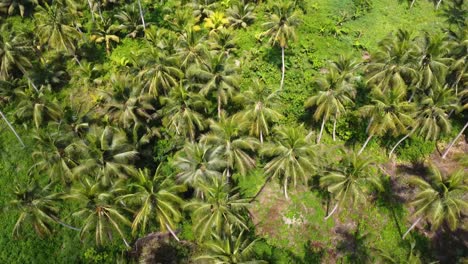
(415, 149)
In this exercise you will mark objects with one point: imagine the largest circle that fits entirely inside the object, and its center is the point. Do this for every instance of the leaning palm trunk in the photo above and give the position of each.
(334, 128)
(141, 15)
(282, 68)
(399, 142)
(438, 4)
(321, 130)
(65, 225)
(412, 3)
(12, 129)
(172, 233)
(365, 144)
(285, 187)
(261, 188)
(91, 9)
(332, 212)
(453, 141)
(219, 107)
(261, 137)
(412, 227)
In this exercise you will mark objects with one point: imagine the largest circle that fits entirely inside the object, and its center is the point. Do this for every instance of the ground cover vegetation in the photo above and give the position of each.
(234, 131)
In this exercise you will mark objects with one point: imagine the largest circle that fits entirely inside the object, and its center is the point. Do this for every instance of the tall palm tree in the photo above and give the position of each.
(37, 106)
(219, 212)
(260, 104)
(440, 200)
(130, 21)
(241, 14)
(197, 163)
(156, 199)
(229, 249)
(54, 27)
(218, 77)
(105, 32)
(281, 28)
(109, 155)
(394, 64)
(389, 112)
(14, 53)
(191, 48)
(235, 148)
(292, 156)
(335, 94)
(9, 6)
(353, 178)
(182, 111)
(97, 211)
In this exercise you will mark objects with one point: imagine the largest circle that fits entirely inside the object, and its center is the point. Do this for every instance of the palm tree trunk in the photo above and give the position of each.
(12, 129)
(438, 4)
(412, 227)
(32, 84)
(261, 188)
(219, 107)
(365, 144)
(453, 141)
(332, 212)
(91, 10)
(172, 233)
(321, 131)
(141, 15)
(65, 225)
(261, 137)
(334, 128)
(412, 3)
(398, 143)
(282, 68)
(285, 187)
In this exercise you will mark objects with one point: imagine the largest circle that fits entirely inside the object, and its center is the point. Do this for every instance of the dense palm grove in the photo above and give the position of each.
(152, 146)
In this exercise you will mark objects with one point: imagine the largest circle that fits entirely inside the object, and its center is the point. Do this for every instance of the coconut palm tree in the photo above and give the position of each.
(219, 212)
(156, 199)
(335, 94)
(235, 148)
(182, 111)
(229, 249)
(394, 64)
(97, 211)
(440, 198)
(222, 41)
(191, 48)
(241, 14)
(352, 180)
(108, 155)
(197, 163)
(105, 32)
(389, 112)
(281, 28)
(10, 6)
(54, 27)
(15, 51)
(130, 21)
(291, 156)
(217, 78)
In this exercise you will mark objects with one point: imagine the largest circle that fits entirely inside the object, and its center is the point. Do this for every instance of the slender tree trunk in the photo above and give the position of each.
(261, 188)
(398, 143)
(438, 4)
(412, 227)
(454, 140)
(285, 187)
(65, 225)
(365, 144)
(172, 232)
(91, 9)
(32, 84)
(282, 68)
(321, 131)
(369, 124)
(12, 129)
(412, 3)
(332, 212)
(261, 137)
(334, 128)
(219, 107)
(126, 243)
(141, 15)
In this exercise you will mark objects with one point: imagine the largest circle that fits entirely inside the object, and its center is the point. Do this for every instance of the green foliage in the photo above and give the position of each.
(415, 149)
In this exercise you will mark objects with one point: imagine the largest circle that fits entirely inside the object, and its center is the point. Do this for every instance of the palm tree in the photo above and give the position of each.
(182, 111)
(9, 6)
(219, 212)
(53, 27)
(105, 32)
(335, 94)
(197, 163)
(37, 106)
(97, 211)
(394, 64)
(229, 249)
(218, 77)
(129, 21)
(440, 200)
(354, 176)
(292, 156)
(388, 112)
(241, 14)
(37, 206)
(14, 53)
(260, 104)
(280, 29)
(108, 155)
(191, 48)
(222, 41)
(234, 147)
(156, 198)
